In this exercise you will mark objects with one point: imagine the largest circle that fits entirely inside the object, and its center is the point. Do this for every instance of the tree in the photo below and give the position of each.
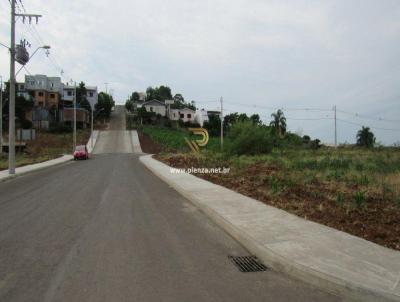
(161, 93)
(249, 138)
(178, 98)
(278, 122)
(135, 97)
(129, 105)
(365, 137)
(213, 125)
(81, 98)
(164, 92)
(105, 103)
(255, 118)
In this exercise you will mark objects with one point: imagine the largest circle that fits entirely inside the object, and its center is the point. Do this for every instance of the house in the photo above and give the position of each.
(45, 90)
(53, 101)
(203, 116)
(69, 93)
(184, 114)
(155, 106)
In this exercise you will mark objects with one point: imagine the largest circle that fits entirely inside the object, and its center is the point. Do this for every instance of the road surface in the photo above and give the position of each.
(108, 230)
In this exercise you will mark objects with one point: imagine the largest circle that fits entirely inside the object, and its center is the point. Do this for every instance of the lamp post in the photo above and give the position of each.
(47, 47)
(1, 115)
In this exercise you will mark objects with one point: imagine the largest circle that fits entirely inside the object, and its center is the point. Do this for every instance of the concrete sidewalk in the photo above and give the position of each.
(332, 260)
(135, 142)
(39, 166)
(35, 167)
(89, 143)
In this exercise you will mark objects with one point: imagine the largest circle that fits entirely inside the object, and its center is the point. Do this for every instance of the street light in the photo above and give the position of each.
(47, 47)
(74, 135)
(1, 115)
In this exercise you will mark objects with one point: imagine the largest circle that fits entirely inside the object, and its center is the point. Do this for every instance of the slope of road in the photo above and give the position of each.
(107, 229)
(117, 139)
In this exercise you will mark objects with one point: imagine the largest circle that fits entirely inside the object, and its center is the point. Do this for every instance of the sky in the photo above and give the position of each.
(259, 55)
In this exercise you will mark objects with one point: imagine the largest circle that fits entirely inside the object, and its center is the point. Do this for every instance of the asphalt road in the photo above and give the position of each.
(107, 229)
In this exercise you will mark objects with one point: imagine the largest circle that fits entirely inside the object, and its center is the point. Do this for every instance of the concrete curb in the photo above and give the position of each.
(4, 176)
(35, 167)
(137, 149)
(330, 281)
(89, 143)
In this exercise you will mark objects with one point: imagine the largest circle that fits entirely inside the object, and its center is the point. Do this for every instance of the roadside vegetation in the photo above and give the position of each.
(46, 146)
(353, 188)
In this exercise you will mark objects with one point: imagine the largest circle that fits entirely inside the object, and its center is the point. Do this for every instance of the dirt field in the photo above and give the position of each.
(363, 202)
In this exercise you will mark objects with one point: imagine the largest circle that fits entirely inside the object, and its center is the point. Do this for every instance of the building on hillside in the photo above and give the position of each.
(82, 117)
(155, 106)
(53, 101)
(45, 90)
(184, 114)
(203, 116)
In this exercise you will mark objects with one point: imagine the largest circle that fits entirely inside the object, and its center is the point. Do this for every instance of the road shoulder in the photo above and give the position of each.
(4, 175)
(332, 260)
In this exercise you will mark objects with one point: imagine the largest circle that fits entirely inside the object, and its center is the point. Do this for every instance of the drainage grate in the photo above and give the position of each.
(248, 264)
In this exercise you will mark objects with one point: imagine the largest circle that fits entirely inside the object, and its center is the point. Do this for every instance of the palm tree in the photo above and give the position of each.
(365, 137)
(278, 122)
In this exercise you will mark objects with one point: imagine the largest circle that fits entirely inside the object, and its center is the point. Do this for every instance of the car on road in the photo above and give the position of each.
(81, 152)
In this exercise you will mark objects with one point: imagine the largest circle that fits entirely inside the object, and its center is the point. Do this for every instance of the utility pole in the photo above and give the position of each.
(11, 127)
(74, 116)
(222, 124)
(91, 133)
(1, 115)
(334, 108)
(106, 87)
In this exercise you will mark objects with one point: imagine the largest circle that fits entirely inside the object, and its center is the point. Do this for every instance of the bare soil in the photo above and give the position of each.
(148, 145)
(378, 220)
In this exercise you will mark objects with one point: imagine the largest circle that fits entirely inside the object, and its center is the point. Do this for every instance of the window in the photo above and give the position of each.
(181, 115)
(69, 93)
(52, 95)
(151, 109)
(40, 94)
(32, 83)
(52, 85)
(91, 94)
(189, 115)
(41, 104)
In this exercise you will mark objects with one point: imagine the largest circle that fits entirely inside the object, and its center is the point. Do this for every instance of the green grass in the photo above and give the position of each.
(174, 139)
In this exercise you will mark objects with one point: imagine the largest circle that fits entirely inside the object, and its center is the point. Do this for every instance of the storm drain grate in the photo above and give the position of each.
(248, 263)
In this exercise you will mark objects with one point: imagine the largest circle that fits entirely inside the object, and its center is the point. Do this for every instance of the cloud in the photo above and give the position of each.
(280, 54)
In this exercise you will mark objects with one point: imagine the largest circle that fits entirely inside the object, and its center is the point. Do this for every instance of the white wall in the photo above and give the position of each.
(158, 109)
(175, 114)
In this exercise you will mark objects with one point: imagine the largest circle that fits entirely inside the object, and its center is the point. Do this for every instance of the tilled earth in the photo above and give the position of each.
(378, 220)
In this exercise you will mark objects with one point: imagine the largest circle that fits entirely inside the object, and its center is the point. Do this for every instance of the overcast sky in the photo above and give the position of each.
(257, 54)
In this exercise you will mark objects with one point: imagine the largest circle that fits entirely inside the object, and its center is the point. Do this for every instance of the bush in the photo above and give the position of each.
(248, 138)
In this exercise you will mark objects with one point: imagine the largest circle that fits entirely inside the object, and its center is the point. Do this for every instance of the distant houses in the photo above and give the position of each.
(53, 101)
(163, 108)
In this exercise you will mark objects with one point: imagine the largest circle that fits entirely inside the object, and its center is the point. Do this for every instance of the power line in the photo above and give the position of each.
(282, 108)
(379, 119)
(377, 128)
